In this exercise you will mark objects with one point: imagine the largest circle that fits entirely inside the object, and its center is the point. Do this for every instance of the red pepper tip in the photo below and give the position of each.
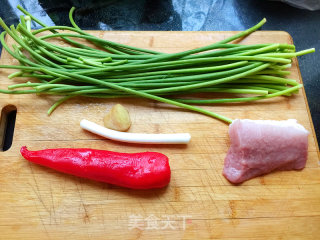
(23, 150)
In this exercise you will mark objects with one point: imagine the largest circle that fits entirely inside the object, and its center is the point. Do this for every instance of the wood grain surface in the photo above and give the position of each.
(199, 203)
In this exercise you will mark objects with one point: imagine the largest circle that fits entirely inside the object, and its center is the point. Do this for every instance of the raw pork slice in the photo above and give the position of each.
(261, 146)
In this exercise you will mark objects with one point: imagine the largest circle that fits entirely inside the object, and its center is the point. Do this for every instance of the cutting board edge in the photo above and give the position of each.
(87, 213)
(306, 100)
(309, 114)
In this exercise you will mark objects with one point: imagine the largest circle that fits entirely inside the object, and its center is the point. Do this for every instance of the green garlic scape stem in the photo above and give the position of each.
(106, 69)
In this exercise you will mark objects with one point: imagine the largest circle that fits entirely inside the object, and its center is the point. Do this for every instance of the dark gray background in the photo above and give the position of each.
(187, 15)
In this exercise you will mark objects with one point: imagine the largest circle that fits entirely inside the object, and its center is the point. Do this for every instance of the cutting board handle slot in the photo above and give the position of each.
(7, 123)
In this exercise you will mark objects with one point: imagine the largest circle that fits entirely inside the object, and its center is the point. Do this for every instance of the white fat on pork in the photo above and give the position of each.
(261, 146)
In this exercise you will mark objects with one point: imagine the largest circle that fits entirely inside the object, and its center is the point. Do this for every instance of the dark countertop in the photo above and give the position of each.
(187, 15)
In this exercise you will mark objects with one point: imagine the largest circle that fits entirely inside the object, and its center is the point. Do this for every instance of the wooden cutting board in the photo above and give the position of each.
(199, 203)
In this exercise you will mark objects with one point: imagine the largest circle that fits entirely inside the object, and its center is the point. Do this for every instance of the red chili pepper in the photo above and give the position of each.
(132, 170)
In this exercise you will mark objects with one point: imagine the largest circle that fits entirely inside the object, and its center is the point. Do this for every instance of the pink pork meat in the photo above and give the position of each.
(261, 146)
